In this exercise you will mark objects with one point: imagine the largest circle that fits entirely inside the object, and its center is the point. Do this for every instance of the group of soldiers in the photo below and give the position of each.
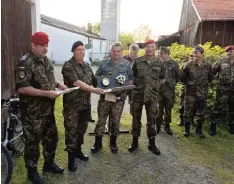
(155, 78)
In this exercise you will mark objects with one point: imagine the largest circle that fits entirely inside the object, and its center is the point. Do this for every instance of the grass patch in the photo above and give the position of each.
(215, 153)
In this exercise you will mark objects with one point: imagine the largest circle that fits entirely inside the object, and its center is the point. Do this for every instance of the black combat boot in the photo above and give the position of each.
(97, 145)
(212, 128)
(167, 129)
(34, 176)
(198, 130)
(134, 144)
(158, 128)
(186, 128)
(79, 154)
(71, 162)
(152, 147)
(113, 145)
(52, 167)
(231, 128)
(181, 122)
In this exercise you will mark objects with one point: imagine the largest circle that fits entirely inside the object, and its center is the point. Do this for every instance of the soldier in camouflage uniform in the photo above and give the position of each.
(167, 91)
(182, 94)
(114, 108)
(224, 68)
(35, 83)
(131, 56)
(148, 72)
(76, 104)
(196, 75)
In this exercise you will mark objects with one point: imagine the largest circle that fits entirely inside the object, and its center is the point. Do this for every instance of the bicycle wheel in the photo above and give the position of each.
(6, 165)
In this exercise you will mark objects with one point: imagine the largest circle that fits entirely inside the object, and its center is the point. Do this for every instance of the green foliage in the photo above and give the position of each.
(181, 52)
(94, 28)
(126, 39)
(95, 63)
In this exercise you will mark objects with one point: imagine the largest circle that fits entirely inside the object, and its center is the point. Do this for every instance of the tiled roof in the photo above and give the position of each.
(215, 9)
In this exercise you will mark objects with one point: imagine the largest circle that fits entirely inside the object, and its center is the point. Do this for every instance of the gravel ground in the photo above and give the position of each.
(141, 167)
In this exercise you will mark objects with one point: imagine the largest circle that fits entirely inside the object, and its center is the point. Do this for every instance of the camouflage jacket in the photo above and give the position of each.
(73, 71)
(39, 74)
(126, 57)
(107, 66)
(148, 76)
(197, 78)
(225, 74)
(172, 76)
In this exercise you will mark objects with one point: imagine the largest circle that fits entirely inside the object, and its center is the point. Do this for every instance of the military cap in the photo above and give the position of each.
(228, 48)
(76, 44)
(149, 42)
(40, 38)
(164, 49)
(198, 48)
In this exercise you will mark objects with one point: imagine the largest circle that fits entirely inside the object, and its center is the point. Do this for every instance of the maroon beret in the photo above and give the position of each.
(40, 38)
(230, 47)
(149, 42)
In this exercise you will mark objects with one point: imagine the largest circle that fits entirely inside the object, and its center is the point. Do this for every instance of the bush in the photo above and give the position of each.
(95, 63)
(181, 52)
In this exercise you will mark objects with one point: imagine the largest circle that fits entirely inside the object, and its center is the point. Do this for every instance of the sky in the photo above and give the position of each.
(162, 16)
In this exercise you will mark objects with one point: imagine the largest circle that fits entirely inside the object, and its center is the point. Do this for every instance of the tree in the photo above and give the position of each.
(126, 39)
(143, 33)
(94, 28)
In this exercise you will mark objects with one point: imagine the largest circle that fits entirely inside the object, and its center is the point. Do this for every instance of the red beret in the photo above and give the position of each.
(230, 47)
(149, 42)
(40, 38)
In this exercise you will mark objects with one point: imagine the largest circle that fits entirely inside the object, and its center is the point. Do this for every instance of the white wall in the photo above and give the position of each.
(35, 14)
(61, 42)
(100, 49)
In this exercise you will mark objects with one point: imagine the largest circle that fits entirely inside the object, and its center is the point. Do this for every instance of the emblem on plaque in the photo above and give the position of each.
(121, 79)
(105, 82)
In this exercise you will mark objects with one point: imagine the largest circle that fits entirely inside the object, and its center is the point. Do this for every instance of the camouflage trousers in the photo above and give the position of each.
(166, 103)
(194, 107)
(114, 111)
(42, 130)
(181, 109)
(76, 124)
(230, 114)
(151, 114)
(221, 107)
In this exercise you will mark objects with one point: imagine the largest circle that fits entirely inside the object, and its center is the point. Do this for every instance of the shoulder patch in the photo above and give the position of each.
(22, 74)
(24, 57)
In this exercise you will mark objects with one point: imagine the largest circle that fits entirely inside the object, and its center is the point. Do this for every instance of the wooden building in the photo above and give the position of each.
(207, 21)
(19, 19)
(204, 21)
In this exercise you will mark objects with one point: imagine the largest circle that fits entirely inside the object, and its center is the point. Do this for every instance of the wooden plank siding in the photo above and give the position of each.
(16, 31)
(218, 32)
(188, 24)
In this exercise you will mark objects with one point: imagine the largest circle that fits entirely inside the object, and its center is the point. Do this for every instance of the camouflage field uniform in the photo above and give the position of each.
(182, 95)
(107, 108)
(76, 104)
(147, 79)
(129, 92)
(220, 68)
(225, 90)
(197, 79)
(167, 92)
(37, 112)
